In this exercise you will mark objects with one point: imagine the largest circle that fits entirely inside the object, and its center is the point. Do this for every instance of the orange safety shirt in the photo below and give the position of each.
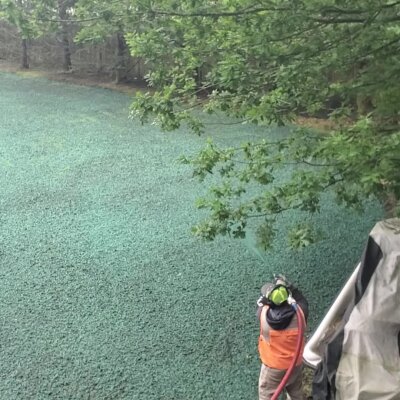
(278, 347)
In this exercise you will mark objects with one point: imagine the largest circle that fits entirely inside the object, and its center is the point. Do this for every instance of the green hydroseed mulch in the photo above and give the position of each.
(104, 293)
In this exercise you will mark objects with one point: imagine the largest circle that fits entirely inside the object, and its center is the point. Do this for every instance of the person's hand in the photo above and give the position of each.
(262, 301)
(282, 280)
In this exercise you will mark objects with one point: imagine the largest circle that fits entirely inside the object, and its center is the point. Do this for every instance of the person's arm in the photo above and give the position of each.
(300, 300)
(261, 302)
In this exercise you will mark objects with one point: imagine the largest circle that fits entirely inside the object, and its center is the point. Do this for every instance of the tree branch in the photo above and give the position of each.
(335, 21)
(221, 14)
(242, 121)
(238, 13)
(72, 20)
(338, 10)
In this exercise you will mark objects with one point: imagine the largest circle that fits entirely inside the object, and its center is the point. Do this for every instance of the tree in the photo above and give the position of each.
(17, 13)
(57, 16)
(34, 18)
(104, 19)
(64, 8)
(268, 62)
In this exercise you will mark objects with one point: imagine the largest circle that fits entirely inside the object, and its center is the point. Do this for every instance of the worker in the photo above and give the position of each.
(279, 328)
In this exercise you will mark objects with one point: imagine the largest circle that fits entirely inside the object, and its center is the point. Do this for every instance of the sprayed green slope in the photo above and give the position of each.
(103, 292)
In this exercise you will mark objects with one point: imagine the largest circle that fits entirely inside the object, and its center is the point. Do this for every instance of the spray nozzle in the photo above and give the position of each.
(292, 301)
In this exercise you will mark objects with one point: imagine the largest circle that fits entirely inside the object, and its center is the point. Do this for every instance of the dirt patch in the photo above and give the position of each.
(76, 77)
(316, 123)
(321, 124)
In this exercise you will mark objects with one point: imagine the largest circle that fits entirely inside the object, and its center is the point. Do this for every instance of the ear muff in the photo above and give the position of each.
(278, 295)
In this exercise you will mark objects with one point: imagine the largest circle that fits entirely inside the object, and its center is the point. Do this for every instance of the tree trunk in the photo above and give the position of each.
(198, 73)
(391, 205)
(24, 58)
(364, 104)
(120, 66)
(139, 74)
(62, 12)
(67, 64)
(99, 60)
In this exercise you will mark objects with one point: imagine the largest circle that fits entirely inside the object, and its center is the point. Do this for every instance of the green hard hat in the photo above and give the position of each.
(279, 295)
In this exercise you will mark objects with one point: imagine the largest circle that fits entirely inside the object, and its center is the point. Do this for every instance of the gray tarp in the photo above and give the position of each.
(362, 359)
